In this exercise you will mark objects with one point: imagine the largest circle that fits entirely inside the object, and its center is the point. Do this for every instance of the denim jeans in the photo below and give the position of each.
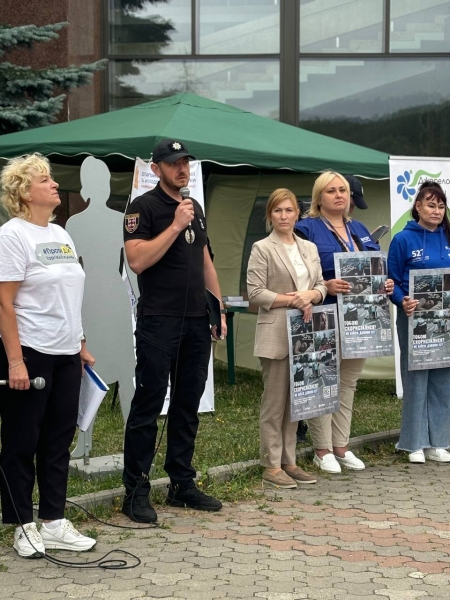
(426, 401)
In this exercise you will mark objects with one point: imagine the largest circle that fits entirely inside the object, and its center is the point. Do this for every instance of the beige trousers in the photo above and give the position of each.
(278, 436)
(334, 429)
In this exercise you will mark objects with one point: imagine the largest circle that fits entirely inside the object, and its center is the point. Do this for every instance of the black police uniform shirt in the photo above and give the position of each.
(179, 274)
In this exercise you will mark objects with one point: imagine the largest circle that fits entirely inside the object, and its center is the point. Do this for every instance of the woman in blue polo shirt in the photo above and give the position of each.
(329, 226)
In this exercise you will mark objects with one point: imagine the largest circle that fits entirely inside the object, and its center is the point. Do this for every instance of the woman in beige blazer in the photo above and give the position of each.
(284, 272)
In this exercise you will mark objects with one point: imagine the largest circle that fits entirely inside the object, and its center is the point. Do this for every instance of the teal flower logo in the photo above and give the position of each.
(407, 184)
(403, 187)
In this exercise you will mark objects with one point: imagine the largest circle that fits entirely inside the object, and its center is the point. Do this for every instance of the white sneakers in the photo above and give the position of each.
(434, 454)
(65, 537)
(62, 537)
(437, 454)
(417, 457)
(332, 463)
(28, 542)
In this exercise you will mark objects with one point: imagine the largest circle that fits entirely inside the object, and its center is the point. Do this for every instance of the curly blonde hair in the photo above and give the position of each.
(276, 198)
(320, 184)
(15, 180)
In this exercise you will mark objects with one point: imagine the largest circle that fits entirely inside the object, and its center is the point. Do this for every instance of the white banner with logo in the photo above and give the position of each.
(407, 173)
(145, 180)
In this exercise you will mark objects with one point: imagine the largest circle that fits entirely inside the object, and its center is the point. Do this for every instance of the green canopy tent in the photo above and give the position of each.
(261, 154)
(212, 131)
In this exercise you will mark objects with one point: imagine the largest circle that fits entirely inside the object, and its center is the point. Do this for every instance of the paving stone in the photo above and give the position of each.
(115, 595)
(206, 574)
(395, 584)
(199, 595)
(403, 595)
(161, 592)
(281, 596)
(301, 585)
(31, 595)
(165, 579)
(81, 590)
(122, 585)
(435, 592)
(246, 592)
(381, 533)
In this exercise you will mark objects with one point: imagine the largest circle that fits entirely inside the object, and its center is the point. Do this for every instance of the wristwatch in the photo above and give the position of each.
(223, 311)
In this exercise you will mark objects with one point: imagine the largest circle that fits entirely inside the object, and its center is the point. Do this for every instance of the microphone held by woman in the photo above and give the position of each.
(38, 382)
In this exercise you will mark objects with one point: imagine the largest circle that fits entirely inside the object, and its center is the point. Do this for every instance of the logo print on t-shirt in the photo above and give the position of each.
(51, 253)
(132, 222)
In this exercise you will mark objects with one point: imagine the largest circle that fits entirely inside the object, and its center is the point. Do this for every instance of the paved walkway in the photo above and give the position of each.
(380, 533)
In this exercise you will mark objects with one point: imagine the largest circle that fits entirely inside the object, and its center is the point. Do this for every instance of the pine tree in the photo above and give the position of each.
(32, 97)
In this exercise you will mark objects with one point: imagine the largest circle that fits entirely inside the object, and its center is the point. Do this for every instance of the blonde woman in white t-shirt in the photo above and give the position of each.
(41, 292)
(283, 272)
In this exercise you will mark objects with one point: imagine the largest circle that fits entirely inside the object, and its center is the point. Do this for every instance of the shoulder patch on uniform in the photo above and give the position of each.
(131, 222)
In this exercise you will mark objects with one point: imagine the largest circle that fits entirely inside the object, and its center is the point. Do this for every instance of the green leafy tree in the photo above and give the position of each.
(34, 97)
(130, 5)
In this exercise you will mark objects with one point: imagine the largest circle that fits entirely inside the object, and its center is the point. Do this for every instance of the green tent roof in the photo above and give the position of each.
(212, 131)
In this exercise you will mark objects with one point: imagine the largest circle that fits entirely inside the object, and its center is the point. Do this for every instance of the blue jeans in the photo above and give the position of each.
(426, 401)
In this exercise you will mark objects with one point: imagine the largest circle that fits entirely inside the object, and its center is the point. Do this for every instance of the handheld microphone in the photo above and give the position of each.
(185, 194)
(37, 382)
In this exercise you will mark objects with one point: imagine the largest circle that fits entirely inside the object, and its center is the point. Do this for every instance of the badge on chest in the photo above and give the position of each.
(189, 236)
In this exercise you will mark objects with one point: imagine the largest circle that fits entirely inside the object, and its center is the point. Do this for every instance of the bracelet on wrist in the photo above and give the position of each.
(15, 365)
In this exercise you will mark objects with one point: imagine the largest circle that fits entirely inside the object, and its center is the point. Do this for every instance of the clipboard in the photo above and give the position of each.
(379, 232)
(215, 316)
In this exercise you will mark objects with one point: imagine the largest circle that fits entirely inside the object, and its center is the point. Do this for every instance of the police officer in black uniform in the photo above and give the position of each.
(166, 245)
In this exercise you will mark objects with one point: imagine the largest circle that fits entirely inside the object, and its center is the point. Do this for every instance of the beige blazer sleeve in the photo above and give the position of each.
(270, 272)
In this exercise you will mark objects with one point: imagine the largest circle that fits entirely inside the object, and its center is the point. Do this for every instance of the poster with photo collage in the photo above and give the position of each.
(314, 362)
(429, 326)
(364, 314)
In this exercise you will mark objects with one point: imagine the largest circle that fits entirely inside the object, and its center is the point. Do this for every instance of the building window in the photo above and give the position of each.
(419, 26)
(239, 27)
(397, 105)
(144, 28)
(362, 72)
(337, 26)
(155, 48)
(247, 84)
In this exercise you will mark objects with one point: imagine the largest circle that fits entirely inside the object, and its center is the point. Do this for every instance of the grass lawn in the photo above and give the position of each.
(230, 434)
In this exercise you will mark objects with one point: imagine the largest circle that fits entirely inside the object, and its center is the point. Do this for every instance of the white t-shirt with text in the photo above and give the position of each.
(48, 302)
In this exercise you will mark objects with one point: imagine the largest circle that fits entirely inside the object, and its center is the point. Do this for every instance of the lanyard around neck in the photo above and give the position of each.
(349, 245)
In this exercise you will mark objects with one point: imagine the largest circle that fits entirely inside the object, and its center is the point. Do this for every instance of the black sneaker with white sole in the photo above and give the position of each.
(192, 498)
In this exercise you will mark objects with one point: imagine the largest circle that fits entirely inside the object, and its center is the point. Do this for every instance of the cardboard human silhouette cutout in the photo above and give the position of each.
(97, 234)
